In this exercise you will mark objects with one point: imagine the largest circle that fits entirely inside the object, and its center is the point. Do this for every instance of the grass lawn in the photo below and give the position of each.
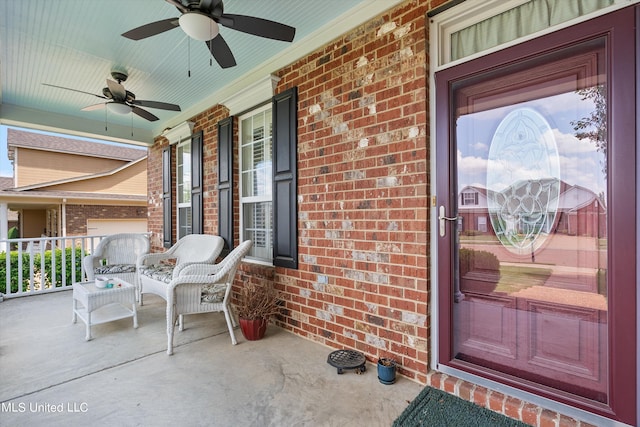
(515, 278)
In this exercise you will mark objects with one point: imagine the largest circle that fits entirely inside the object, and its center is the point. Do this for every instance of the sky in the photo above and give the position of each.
(6, 169)
(578, 161)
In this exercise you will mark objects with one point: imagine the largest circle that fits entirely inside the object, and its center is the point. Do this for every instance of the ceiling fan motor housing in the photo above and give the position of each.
(119, 76)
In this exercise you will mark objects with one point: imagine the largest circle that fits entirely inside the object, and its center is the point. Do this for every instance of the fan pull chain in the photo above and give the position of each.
(210, 44)
(189, 55)
(131, 124)
(105, 118)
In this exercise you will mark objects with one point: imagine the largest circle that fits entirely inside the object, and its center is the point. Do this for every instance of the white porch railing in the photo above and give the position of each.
(44, 264)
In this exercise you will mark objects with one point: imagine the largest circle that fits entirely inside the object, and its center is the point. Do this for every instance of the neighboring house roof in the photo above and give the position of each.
(576, 198)
(39, 141)
(69, 195)
(572, 197)
(6, 182)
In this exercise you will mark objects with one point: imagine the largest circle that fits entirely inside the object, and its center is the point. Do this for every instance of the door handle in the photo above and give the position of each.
(442, 218)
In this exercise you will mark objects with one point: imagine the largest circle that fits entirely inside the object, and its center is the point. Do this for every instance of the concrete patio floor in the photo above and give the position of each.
(51, 376)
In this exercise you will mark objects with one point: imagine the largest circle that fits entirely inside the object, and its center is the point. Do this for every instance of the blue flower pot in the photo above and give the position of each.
(386, 371)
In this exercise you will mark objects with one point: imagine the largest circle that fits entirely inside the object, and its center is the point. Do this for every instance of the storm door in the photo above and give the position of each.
(536, 220)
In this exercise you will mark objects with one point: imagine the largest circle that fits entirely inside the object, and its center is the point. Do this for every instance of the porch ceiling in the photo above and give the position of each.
(76, 44)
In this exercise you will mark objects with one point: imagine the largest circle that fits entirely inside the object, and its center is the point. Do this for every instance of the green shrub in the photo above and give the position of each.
(477, 260)
(37, 269)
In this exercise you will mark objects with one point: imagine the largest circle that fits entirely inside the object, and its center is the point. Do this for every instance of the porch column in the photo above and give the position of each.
(4, 226)
(63, 218)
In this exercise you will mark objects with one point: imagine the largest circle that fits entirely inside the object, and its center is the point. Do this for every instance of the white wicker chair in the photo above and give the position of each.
(120, 252)
(157, 270)
(204, 288)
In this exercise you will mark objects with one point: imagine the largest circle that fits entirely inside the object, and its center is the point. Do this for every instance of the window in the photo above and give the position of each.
(469, 199)
(482, 224)
(183, 187)
(256, 196)
(267, 154)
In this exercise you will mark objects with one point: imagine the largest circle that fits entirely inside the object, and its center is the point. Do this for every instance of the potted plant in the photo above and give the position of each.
(256, 304)
(386, 371)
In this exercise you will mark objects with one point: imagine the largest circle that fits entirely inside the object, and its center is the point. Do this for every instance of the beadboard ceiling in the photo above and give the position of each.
(77, 43)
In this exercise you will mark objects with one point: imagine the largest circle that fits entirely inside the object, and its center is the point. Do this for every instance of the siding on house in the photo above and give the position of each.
(91, 180)
(37, 166)
(131, 180)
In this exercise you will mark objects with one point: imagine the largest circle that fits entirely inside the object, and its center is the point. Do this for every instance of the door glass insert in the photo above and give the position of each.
(531, 243)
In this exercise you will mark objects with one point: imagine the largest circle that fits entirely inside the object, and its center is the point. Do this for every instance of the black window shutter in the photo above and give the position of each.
(166, 198)
(225, 181)
(197, 224)
(285, 187)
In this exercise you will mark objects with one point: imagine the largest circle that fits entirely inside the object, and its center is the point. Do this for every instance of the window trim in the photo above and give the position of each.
(472, 12)
(252, 199)
(180, 181)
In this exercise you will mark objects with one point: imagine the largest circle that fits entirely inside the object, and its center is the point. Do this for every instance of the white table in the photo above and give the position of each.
(101, 305)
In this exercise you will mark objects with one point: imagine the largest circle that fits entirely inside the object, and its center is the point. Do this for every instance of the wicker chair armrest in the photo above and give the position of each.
(155, 258)
(88, 265)
(179, 269)
(199, 269)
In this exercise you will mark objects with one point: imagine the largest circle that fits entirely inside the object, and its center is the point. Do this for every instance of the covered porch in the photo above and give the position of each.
(51, 376)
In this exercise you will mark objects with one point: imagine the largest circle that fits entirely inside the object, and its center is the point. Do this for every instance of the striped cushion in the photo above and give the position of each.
(213, 293)
(115, 269)
(161, 273)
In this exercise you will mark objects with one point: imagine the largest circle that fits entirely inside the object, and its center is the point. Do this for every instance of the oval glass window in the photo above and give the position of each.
(523, 181)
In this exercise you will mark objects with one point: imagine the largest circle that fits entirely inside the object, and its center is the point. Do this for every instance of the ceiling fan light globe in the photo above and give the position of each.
(198, 26)
(118, 108)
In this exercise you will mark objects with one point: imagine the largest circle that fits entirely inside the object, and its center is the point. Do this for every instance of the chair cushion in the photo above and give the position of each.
(213, 293)
(160, 272)
(115, 269)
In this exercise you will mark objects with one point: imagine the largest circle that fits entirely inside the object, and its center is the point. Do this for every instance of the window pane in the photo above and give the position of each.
(184, 224)
(256, 156)
(528, 18)
(256, 181)
(257, 222)
(183, 175)
(532, 257)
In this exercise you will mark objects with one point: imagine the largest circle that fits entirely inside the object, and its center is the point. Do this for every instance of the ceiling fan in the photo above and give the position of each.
(121, 101)
(200, 20)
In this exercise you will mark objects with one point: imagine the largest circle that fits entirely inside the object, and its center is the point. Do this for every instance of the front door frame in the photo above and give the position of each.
(624, 369)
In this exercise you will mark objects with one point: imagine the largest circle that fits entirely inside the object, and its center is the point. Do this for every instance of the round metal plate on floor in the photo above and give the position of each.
(347, 359)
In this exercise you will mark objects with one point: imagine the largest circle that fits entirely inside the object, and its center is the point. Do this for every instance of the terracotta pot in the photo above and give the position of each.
(253, 329)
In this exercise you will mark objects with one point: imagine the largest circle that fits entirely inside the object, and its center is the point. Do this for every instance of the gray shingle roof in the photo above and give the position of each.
(39, 141)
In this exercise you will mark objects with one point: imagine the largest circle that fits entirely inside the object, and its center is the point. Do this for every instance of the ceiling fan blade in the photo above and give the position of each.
(156, 104)
(221, 51)
(94, 107)
(117, 90)
(144, 114)
(179, 5)
(152, 29)
(258, 27)
(75, 90)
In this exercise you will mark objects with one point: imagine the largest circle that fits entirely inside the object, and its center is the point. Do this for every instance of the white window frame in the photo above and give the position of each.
(180, 182)
(253, 199)
(472, 12)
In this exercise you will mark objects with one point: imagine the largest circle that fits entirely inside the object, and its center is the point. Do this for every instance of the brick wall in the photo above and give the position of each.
(77, 215)
(363, 191)
(362, 186)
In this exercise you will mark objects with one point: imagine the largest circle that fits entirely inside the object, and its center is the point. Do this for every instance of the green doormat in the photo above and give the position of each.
(435, 408)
